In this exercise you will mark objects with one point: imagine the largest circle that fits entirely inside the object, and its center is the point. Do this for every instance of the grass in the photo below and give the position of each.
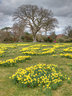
(8, 88)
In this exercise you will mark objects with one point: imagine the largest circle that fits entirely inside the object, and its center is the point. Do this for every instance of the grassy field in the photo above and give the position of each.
(57, 57)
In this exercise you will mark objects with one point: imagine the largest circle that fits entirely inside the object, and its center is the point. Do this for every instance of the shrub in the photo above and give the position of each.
(47, 39)
(60, 40)
(68, 40)
(64, 40)
(27, 37)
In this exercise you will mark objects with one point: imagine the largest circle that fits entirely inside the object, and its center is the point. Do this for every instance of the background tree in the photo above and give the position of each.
(53, 35)
(2, 36)
(18, 30)
(68, 31)
(6, 35)
(37, 19)
(50, 25)
(7, 29)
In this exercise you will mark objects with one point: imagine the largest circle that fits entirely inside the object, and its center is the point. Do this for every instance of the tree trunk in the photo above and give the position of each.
(34, 38)
(45, 33)
(20, 40)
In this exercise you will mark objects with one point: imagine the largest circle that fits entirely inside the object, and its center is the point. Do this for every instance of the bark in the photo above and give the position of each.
(45, 33)
(20, 40)
(34, 38)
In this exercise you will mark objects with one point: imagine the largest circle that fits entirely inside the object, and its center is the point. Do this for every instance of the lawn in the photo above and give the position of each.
(40, 53)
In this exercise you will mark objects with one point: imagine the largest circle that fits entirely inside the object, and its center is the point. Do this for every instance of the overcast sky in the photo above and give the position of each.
(62, 10)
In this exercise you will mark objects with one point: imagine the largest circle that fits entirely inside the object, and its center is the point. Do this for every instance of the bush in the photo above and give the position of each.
(47, 39)
(64, 40)
(27, 37)
(8, 40)
(60, 40)
(68, 40)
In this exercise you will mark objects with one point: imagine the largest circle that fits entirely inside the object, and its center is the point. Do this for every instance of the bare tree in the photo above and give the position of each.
(18, 30)
(5, 35)
(2, 36)
(68, 31)
(50, 25)
(36, 18)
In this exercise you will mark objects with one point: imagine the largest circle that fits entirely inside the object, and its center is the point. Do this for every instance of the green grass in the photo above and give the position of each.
(8, 88)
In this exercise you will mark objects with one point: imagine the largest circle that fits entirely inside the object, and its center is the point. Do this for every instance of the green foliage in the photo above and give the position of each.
(48, 92)
(71, 67)
(69, 81)
(60, 40)
(47, 39)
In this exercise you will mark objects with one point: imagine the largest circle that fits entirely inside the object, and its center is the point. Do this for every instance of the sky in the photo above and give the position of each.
(62, 10)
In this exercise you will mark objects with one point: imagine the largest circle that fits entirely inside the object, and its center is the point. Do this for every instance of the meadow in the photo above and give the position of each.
(36, 69)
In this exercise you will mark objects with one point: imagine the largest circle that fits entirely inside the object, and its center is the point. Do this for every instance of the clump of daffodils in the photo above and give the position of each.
(69, 49)
(38, 49)
(1, 52)
(46, 76)
(12, 62)
(67, 55)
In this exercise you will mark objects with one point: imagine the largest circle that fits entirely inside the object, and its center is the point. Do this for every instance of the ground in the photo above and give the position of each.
(9, 88)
